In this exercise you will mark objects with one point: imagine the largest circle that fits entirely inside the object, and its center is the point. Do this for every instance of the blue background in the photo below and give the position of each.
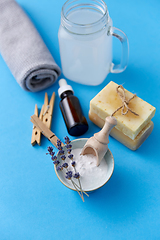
(33, 202)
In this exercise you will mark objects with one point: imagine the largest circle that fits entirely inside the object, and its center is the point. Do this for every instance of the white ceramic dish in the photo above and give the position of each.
(97, 178)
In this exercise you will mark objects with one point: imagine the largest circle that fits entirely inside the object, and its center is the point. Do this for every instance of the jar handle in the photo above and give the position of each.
(117, 68)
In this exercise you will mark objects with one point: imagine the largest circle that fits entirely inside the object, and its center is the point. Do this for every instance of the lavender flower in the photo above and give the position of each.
(52, 153)
(76, 175)
(70, 156)
(63, 157)
(50, 149)
(69, 175)
(54, 158)
(59, 168)
(61, 152)
(67, 140)
(59, 144)
(73, 163)
(60, 148)
(56, 162)
(68, 146)
(65, 165)
(69, 151)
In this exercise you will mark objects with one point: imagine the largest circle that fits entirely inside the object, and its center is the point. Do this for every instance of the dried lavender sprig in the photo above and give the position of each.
(69, 174)
(69, 177)
(60, 168)
(80, 189)
(81, 195)
(77, 175)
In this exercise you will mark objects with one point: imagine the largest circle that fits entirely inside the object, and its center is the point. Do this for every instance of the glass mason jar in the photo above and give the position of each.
(85, 41)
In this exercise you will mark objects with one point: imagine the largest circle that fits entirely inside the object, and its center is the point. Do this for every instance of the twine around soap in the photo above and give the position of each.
(125, 102)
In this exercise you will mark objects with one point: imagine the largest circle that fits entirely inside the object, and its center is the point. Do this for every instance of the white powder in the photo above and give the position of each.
(91, 176)
(85, 164)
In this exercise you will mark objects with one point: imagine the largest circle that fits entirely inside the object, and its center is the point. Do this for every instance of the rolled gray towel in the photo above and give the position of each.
(23, 49)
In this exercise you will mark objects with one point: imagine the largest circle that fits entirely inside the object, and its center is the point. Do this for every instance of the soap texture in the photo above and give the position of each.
(131, 130)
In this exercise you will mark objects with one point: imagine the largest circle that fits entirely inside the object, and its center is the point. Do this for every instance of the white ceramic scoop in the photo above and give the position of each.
(98, 144)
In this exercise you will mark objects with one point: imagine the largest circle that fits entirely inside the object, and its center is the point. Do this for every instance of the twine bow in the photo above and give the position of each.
(124, 102)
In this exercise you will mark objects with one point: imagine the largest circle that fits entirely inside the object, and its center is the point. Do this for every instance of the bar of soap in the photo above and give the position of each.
(131, 130)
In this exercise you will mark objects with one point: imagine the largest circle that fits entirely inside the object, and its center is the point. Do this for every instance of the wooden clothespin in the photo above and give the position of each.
(36, 134)
(45, 116)
(44, 130)
(48, 110)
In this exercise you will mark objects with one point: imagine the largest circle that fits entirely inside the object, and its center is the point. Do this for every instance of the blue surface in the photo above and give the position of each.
(33, 202)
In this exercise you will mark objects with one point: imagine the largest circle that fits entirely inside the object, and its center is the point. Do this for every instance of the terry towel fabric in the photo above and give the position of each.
(23, 49)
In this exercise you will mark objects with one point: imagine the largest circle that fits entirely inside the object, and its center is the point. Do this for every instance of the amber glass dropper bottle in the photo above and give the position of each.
(71, 110)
